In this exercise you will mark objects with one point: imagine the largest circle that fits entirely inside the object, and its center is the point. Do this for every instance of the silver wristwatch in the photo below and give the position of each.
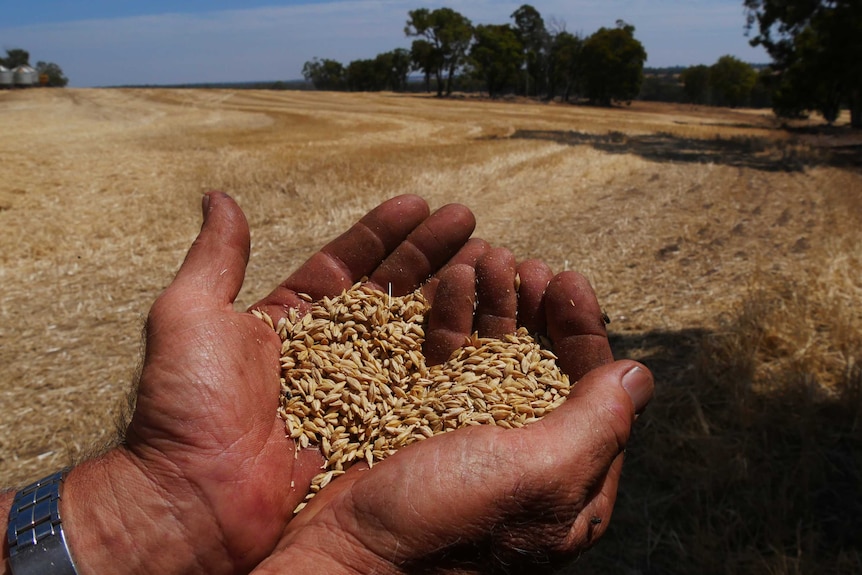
(37, 544)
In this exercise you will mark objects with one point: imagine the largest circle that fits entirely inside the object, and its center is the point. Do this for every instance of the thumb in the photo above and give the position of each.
(626, 384)
(214, 268)
(593, 425)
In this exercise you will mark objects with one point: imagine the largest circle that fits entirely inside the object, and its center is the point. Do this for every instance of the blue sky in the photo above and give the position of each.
(111, 42)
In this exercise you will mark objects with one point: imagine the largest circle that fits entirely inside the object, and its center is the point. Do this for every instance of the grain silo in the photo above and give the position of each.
(6, 77)
(25, 76)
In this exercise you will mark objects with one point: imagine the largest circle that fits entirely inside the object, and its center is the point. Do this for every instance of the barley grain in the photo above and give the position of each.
(355, 383)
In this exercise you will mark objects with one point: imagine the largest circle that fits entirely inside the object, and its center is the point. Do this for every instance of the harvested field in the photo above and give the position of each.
(725, 250)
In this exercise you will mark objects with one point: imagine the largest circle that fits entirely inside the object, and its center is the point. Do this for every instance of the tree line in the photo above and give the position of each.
(525, 56)
(50, 74)
(531, 58)
(815, 47)
(728, 82)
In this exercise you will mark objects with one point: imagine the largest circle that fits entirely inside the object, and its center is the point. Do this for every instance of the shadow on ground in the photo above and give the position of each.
(766, 154)
(722, 478)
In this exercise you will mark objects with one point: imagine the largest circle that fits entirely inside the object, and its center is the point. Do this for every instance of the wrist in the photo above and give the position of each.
(114, 512)
(5, 505)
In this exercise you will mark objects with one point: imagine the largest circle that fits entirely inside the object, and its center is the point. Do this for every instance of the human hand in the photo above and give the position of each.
(206, 480)
(486, 499)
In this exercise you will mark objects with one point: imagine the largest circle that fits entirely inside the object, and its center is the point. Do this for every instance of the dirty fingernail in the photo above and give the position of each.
(638, 384)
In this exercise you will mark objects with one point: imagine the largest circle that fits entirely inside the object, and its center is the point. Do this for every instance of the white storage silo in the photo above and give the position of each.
(25, 76)
(6, 77)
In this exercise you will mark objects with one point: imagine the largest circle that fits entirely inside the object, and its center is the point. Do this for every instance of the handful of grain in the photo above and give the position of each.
(355, 383)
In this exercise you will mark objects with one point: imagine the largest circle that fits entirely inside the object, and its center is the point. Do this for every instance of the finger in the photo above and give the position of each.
(351, 256)
(534, 276)
(575, 325)
(357, 252)
(426, 250)
(468, 255)
(496, 298)
(214, 267)
(450, 321)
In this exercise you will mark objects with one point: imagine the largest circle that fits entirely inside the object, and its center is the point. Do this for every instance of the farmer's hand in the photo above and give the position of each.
(484, 498)
(206, 480)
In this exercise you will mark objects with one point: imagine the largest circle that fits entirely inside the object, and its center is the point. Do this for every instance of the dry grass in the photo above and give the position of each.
(726, 252)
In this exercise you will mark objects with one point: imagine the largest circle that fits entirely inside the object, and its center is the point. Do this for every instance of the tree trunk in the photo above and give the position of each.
(449, 81)
(438, 76)
(428, 82)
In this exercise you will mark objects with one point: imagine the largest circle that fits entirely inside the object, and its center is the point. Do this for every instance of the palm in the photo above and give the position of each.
(222, 428)
(205, 418)
(465, 501)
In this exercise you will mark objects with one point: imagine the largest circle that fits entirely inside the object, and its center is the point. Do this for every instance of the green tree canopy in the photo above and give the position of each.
(731, 81)
(534, 39)
(612, 65)
(449, 33)
(761, 95)
(496, 56)
(424, 58)
(387, 71)
(324, 74)
(564, 61)
(695, 82)
(15, 57)
(52, 74)
(365, 76)
(397, 65)
(816, 48)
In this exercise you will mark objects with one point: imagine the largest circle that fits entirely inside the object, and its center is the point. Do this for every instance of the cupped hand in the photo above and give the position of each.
(486, 499)
(205, 430)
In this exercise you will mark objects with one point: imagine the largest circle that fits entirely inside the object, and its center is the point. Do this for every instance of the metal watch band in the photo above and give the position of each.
(37, 544)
